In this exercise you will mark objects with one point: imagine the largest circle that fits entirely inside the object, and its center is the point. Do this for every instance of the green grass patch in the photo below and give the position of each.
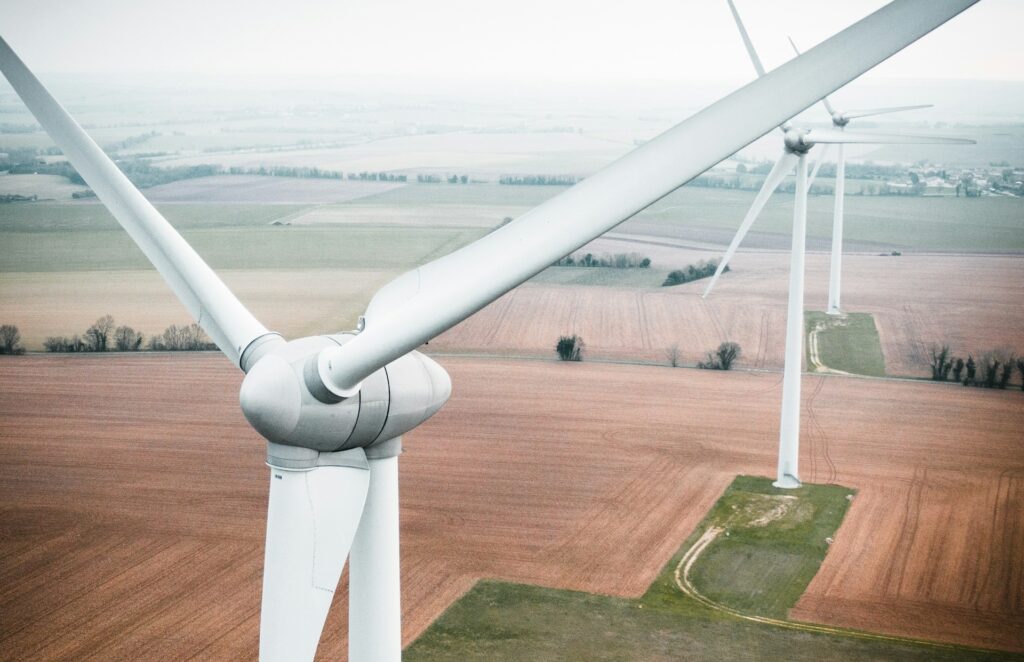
(849, 343)
(502, 621)
(773, 542)
(258, 247)
(93, 216)
(987, 224)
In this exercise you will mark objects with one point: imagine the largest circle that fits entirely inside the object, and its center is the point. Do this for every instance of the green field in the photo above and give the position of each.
(503, 621)
(987, 224)
(263, 248)
(772, 546)
(849, 343)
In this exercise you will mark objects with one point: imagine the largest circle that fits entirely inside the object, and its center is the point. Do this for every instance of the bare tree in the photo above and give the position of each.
(1007, 372)
(10, 340)
(958, 369)
(727, 353)
(723, 357)
(570, 348)
(672, 354)
(181, 338)
(941, 362)
(127, 339)
(97, 336)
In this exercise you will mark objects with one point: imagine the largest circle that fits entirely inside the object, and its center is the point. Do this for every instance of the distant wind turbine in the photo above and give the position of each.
(839, 120)
(796, 144)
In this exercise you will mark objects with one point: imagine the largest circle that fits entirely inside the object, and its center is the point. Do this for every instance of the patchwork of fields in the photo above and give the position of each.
(590, 480)
(132, 503)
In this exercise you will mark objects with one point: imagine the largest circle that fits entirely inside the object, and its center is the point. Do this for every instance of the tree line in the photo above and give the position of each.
(692, 272)
(613, 261)
(538, 180)
(993, 369)
(106, 336)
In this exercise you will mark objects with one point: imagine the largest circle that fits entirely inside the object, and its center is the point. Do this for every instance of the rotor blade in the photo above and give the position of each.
(423, 303)
(312, 519)
(828, 106)
(771, 182)
(817, 165)
(834, 137)
(758, 67)
(206, 297)
(868, 112)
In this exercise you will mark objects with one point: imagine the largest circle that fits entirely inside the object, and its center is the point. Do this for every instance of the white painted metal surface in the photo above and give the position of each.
(375, 611)
(788, 474)
(836, 265)
(778, 172)
(311, 523)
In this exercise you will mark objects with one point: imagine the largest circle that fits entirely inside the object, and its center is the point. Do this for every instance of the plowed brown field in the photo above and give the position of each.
(971, 303)
(132, 497)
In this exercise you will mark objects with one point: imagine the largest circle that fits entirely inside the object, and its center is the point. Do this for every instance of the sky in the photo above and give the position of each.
(552, 40)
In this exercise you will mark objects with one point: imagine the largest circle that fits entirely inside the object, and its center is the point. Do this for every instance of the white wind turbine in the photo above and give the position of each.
(796, 144)
(840, 119)
(333, 408)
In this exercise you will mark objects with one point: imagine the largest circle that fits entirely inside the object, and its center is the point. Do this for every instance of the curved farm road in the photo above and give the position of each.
(682, 579)
(814, 356)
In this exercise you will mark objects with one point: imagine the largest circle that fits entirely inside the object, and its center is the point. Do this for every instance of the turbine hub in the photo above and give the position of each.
(839, 120)
(794, 140)
(280, 399)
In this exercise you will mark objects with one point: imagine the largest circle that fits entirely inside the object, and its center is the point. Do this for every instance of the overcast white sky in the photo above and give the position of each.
(577, 40)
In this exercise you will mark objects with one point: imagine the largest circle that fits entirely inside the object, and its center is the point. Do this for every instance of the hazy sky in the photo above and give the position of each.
(578, 40)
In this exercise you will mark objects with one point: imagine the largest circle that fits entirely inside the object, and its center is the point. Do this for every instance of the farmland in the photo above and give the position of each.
(105, 554)
(133, 497)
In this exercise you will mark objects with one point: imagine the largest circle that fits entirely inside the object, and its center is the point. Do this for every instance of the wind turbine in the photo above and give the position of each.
(796, 144)
(333, 408)
(840, 119)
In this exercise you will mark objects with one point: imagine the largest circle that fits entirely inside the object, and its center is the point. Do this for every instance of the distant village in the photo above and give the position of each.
(994, 179)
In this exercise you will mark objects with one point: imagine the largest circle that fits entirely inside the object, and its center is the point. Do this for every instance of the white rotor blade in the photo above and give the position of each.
(758, 67)
(817, 165)
(312, 519)
(828, 106)
(771, 182)
(423, 303)
(868, 112)
(836, 137)
(206, 297)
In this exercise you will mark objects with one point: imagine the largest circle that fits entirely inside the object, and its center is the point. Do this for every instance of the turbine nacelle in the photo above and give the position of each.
(795, 142)
(281, 398)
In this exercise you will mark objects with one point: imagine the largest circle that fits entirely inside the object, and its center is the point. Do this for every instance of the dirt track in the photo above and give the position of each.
(133, 497)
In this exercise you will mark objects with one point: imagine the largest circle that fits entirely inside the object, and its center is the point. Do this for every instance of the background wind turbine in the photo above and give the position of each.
(796, 144)
(840, 119)
(333, 408)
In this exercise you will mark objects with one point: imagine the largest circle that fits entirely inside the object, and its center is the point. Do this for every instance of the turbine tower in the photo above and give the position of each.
(796, 145)
(333, 408)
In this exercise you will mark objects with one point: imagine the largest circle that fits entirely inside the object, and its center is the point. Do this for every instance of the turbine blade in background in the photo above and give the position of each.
(835, 137)
(828, 105)
(778, 172)
(868, 112)
(423, 303)
(312, 519)
(817, 165)
(206, 297)
(758, 67)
